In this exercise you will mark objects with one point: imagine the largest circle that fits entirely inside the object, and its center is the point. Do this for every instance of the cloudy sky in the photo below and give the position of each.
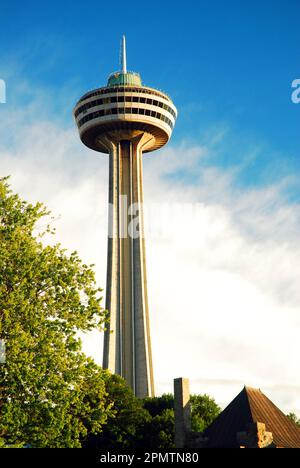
(222, 199)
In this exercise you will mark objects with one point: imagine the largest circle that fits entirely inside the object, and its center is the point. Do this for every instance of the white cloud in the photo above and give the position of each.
(223, 283)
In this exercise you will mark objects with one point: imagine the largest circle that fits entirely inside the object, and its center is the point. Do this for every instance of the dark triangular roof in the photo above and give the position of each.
(248, 407)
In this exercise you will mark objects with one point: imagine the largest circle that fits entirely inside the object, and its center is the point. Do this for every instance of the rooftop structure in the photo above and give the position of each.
(251, 420)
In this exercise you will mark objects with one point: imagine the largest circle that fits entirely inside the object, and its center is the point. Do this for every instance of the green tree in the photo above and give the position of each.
(158, 429)
(156, 405)
(51, 395)
(158, 432)
(293, 417)
(204, 411)
(134, 423)
(124, 426)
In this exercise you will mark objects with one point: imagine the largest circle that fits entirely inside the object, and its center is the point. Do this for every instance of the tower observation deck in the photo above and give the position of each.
(126, 119)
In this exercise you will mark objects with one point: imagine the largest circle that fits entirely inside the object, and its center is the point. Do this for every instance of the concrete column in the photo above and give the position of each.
(127, 346)
(111, 351)
(182, 411)
(143, 354)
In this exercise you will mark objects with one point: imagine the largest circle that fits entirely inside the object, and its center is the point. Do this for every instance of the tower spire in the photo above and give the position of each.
(123, 55)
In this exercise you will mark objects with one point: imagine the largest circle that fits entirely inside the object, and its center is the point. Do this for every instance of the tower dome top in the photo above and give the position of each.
(121, 78)
(124, 77)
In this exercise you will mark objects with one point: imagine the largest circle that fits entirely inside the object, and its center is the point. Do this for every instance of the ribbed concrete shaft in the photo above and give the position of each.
(127, 347)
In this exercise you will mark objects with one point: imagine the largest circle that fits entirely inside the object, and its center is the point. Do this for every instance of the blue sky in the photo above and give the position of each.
(234, 156)
(227, 64)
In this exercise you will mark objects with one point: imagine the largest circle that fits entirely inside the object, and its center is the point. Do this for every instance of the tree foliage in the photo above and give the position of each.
(134, 424)
(51, 395)
(156, 405)
(293, 417)
(148, 423)
(158, 431)
(124, 427)
(204, 411)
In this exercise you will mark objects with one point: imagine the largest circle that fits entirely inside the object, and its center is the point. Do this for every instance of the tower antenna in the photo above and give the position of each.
(123, 55)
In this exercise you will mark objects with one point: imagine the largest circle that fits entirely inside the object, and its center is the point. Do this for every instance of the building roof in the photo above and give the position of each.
(252, 406)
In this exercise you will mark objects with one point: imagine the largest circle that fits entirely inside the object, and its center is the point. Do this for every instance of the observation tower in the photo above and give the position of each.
(126, 119)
